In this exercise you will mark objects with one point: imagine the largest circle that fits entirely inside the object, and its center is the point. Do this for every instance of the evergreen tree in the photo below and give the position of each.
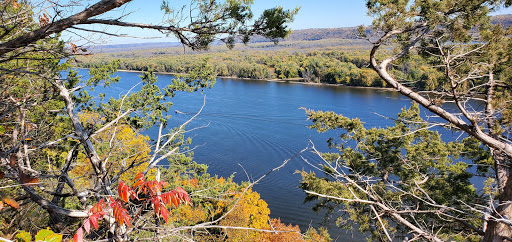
(403, 180)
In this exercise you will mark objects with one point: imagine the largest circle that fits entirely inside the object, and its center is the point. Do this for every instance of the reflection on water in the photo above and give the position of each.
(253, 126)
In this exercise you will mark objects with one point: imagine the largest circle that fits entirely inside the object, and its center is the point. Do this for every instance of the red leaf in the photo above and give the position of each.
(94, 220)
(175, 197)
(120, 213)
(154, 187)
(160, 208)
(164, 213)
(170, 198)
(79, 236)
(87, 225)
(125, 191)
(155, 201)
(166, 198)
(182, 194)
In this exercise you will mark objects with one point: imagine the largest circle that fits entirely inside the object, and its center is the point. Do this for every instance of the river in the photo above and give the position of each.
(254, 125)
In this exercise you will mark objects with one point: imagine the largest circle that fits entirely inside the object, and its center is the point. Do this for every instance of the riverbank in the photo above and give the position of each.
(288, 80)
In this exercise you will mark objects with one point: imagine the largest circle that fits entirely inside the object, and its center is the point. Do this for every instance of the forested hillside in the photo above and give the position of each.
(331, 55)
(505, 20)
(344, 64)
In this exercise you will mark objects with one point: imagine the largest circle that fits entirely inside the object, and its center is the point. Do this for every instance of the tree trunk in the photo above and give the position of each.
(495, 230)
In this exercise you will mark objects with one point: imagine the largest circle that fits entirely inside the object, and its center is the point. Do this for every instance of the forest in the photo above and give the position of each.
(333, 65)
(78, 167)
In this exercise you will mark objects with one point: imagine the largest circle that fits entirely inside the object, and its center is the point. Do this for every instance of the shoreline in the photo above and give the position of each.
(290, 80)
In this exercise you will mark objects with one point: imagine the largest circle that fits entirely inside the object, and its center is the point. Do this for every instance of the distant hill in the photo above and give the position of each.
(133, 47)
(316, 34)
(350, 32)
(301, 35)
(505, 20)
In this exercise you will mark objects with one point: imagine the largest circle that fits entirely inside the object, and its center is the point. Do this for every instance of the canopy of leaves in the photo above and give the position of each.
(407, 167)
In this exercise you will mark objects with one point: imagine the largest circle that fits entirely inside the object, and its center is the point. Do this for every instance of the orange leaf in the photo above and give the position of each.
(176, 201)
(28, 180)
(15, 4)
(43, 20)
(2, 174)
(139, 176)
(122, 191)
(11, 202)
(98, 207)
(13, 161)
(74, 49)
(120, 213)
(139, 182)
(125, 191)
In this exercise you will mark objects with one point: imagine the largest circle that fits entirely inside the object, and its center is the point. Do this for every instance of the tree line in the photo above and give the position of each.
(333, 66)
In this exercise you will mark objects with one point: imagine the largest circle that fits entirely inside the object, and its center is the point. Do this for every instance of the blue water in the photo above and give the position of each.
(252, 126)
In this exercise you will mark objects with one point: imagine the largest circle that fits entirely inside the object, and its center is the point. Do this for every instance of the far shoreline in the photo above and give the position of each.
(288, 80)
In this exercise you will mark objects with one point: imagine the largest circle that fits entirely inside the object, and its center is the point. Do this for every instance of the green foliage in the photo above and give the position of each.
(231, 17)
(327, 66)
(23, 236)
(43, 235)
(406, 165)
(48, 236)
(272, 23)
(452, 28)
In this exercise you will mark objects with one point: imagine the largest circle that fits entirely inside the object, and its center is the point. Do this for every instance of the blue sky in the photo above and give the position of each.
(313, 14)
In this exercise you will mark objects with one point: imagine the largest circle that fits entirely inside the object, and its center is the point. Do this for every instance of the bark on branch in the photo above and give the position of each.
(381, 69)
(60, 25)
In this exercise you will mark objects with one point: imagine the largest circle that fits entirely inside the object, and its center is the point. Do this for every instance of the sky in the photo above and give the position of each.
(313, 14)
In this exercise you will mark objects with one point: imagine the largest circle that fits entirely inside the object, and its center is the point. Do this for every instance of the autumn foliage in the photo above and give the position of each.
(244, 208)
(126, 148)
(147, 193)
